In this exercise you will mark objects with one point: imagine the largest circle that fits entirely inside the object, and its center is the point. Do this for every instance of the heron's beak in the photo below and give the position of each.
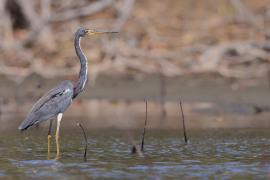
(91, 32)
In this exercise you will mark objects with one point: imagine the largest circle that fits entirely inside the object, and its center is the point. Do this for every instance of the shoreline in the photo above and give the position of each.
(118, 102)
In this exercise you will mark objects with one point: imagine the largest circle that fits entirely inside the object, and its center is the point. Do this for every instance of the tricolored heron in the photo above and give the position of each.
(55, 102)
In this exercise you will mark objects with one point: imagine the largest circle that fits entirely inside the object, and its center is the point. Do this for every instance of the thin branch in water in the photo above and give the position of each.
(184, 126)
(85, 139)
(135, 149)
(145, 123)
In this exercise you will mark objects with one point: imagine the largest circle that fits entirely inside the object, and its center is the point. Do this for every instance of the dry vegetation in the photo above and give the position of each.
(226, 37)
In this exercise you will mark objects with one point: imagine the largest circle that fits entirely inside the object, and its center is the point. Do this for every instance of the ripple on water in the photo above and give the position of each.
(208, 154)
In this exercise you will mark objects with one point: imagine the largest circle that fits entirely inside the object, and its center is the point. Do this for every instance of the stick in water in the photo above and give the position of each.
(145, 123)
(184, 126)
(85, 139)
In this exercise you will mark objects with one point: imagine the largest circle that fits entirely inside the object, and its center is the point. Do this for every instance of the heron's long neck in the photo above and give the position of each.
(79, 86)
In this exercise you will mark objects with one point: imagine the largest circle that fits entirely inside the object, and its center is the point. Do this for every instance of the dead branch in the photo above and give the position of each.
(80, 12)
(85, 140)
(39, 28)
(225, 57)
(39, 24)
(29, 11)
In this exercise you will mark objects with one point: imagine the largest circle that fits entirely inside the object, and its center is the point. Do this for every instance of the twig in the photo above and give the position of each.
(184, 126)
(135, 149)
(85, 139)
(39, 23)
(145, 123)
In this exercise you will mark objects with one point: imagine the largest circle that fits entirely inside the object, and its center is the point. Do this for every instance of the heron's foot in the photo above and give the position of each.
(57, 147)
(49, 146)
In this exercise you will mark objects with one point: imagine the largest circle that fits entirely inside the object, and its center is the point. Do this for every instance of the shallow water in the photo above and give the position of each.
(209, 154)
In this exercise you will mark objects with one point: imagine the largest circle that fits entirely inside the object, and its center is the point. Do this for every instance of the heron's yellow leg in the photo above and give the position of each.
(57, 147)
(49, 146)
(59, 117)
(49, 139)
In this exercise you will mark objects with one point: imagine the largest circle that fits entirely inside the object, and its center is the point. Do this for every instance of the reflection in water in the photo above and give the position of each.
(211, 153)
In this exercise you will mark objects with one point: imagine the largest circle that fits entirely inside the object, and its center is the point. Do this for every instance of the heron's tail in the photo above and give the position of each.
(29, 121)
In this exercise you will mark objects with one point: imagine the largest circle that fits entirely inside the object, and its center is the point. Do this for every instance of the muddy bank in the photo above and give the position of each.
(117, 102)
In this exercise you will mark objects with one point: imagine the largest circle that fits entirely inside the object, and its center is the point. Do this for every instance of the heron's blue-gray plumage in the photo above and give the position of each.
(59, 98)
(80, 84)
(56, 101)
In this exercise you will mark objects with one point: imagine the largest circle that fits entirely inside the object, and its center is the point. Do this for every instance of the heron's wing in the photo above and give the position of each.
(53, 93)
(49, 105)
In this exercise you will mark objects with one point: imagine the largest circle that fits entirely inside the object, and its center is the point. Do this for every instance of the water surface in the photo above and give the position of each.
(209, 154)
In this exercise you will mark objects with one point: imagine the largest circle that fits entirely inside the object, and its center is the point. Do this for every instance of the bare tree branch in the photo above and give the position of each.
(79, 12)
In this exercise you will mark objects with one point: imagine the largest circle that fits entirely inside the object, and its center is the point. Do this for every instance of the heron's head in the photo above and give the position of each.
(90, 32)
